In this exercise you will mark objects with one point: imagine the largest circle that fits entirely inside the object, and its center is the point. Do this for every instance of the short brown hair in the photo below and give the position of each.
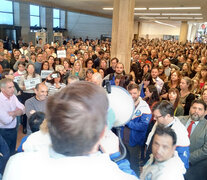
(76, 118)
(133, 86)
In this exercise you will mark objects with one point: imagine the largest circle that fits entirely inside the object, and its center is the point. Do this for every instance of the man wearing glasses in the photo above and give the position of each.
(164, 115)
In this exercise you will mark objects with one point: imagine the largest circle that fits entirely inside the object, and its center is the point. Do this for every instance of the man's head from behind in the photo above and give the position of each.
(164, 143)
(35, 120)
(76, 118)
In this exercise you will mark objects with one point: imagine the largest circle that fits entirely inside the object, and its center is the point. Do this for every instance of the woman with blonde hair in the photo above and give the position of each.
(78, 70)
(186, 70)
(186, 95)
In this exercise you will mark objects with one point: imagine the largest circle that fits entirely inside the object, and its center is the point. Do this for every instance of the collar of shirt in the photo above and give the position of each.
(170, 124)
(2, 96)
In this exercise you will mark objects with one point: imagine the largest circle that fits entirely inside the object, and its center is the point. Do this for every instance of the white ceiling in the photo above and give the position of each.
(95, 7)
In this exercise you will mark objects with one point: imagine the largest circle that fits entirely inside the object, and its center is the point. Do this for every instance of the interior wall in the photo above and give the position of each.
(82, 25)
(154, 30)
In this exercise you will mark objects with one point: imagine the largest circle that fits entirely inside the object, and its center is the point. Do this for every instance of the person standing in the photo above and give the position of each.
(10, 109)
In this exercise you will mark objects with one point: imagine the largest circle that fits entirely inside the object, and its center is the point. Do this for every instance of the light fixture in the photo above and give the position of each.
(140, 8)
(198, 18)
(147, 14)
(110, 9)
(181, 17)
(146, 17)
(181, 14)
(152, 17)
(161, 17)
(173, 8)
(165, 24)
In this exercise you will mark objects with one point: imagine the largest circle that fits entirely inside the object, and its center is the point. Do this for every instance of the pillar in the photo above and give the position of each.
(24, 22)
(49, 24)
(183, 32)
(122, 31)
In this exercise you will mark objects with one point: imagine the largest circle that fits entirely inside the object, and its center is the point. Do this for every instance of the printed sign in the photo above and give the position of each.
(45, 73)
(31, 83)
(61, 53)
(17, 79)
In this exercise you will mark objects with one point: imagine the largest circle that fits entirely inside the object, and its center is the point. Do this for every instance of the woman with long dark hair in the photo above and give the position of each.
(174, 82)
(147, 80)
(151, 95)
(174, 97)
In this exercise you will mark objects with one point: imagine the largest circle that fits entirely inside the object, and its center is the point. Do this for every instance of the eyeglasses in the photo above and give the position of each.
(157, 117)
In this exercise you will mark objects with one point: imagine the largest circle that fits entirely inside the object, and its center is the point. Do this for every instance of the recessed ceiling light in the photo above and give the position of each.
(153, 17)
(198, 18)
(108, 9)
(172, 8)
(140, 8)
(181, 17)
(165, 24)
(181, 14)
(147, 14)
(146, 17)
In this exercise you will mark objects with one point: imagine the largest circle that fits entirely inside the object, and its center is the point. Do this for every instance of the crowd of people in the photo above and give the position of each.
(167, 81)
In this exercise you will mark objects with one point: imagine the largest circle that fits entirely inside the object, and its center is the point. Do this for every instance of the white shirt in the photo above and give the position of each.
(8, 105)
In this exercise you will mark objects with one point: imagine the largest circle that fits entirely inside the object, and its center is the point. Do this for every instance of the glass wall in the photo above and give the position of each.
(6, 12)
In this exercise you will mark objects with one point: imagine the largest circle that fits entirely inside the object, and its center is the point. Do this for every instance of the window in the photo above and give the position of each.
(34, 15)
(6, 12)
(56, 18)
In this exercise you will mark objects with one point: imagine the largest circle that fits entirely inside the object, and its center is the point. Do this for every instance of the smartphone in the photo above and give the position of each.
(54, 75)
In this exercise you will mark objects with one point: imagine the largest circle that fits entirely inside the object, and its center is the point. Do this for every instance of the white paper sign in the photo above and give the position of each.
(61, 53)
(17, 79)
(31, 83)
(45, 73)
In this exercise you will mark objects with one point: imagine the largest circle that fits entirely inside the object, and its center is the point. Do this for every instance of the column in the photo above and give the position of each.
(24, 20)
(49, 24)
(183, 32)
(122, 31)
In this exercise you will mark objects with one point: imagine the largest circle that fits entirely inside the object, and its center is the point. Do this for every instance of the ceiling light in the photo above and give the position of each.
(164, 24)
(181, 17)
(146, 17)
(147, 14)
(161, 17)
(181, 14)
(110, 9)
(140, 8)
(198, 18)
(173, 8)
(153, 17)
